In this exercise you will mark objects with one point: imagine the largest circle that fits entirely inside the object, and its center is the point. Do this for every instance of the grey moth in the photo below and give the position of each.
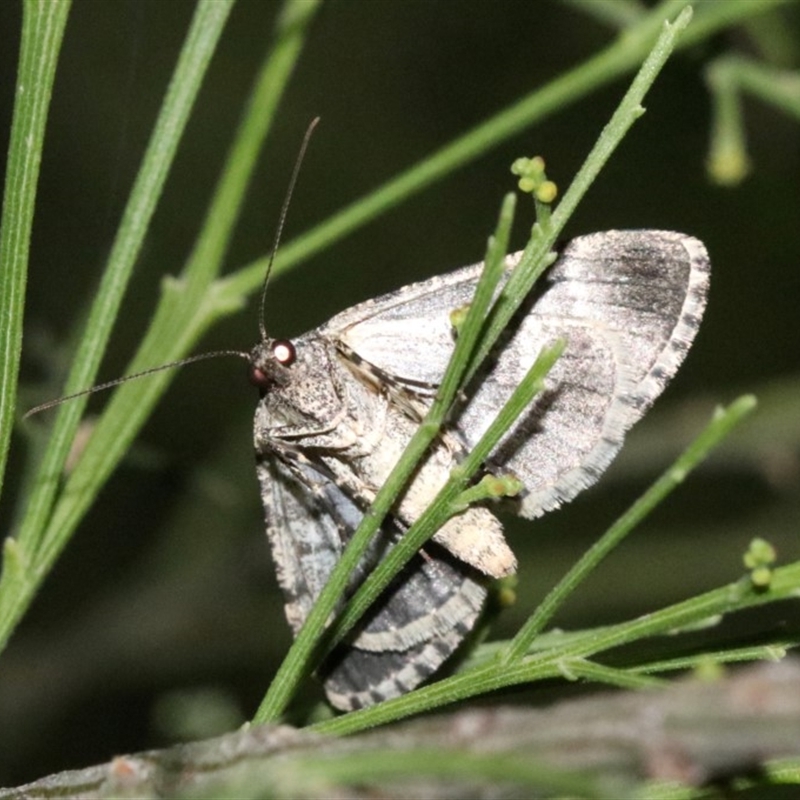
(339, 404)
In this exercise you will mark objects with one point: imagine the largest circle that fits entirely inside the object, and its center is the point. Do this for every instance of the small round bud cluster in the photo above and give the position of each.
(532, 179)
(759, 558)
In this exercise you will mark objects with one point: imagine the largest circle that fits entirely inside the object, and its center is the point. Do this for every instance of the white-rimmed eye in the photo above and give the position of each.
(283, 351)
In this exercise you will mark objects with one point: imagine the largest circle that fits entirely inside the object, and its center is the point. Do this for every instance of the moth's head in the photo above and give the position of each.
(270, 362)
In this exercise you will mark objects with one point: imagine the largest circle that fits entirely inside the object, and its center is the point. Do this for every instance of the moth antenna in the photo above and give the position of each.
(101, 387)
(281, 220)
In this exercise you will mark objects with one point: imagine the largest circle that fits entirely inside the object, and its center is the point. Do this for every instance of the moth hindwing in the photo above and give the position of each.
(340, 404)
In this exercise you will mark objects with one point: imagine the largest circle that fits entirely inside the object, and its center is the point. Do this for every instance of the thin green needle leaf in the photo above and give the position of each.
(42, 32)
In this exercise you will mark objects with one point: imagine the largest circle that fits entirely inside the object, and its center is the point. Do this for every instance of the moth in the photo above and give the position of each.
(339, 404)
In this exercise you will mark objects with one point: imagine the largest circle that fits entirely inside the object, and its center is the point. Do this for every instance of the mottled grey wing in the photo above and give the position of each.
(629, 304)
(414, 627)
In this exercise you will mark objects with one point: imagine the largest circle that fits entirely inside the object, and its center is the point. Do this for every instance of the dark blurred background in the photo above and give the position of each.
(163, 621)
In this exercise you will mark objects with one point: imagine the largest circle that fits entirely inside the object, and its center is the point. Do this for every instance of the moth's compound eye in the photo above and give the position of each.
(284, 353)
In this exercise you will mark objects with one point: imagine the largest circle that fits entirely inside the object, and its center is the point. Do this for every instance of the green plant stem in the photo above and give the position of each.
(622, 56)
(580, 669)
(727, 161)
(778, 87)
(696, 452)
(188, 305)
(35, 550)
(25, 568)
(772, 652)
(727, 77)
(175, 322)
(42, 33)
(537, 253)
(558, 639)
(199, 46)
(184, 311)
